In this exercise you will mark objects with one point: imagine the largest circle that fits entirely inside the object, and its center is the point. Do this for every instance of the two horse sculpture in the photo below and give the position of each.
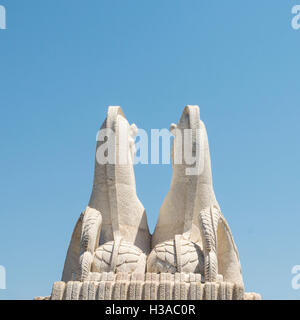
(191, 235)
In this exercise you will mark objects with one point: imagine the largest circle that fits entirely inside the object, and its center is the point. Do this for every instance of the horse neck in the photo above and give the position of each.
(111, 182)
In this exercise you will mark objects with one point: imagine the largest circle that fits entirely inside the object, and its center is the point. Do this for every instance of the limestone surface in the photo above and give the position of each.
(190, 211)
(112, 233)
(191, 254)
(149, 286)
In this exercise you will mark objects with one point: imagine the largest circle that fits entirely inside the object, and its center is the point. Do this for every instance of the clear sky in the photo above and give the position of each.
(62, 62)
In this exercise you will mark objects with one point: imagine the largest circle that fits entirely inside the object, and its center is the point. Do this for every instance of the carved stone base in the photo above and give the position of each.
(149, 286)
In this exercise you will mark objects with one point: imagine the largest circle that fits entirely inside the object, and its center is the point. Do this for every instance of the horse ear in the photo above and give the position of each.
(173, 126)
(133, 130)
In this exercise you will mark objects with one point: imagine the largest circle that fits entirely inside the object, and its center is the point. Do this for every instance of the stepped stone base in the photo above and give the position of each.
(149, 286)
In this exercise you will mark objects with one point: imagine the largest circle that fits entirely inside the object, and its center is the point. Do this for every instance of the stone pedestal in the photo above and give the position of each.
(149, 286)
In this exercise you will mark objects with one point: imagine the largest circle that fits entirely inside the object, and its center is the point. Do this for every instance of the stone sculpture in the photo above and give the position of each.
(191, 254)
(191, 216)
(112, 233)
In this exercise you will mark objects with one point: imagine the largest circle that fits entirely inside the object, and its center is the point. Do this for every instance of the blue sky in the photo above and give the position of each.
(63, 62)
